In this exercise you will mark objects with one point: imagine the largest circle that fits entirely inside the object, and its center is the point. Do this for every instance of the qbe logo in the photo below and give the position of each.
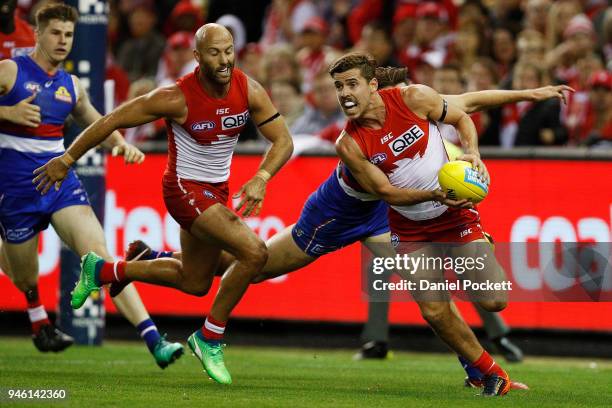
(407, 139)
(234, 121)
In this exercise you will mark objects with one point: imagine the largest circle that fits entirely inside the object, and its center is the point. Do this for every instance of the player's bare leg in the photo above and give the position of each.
(79, 228)
(20, 263)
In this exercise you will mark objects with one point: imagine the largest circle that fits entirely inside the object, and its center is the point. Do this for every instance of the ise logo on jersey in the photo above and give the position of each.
(63, 95)
(406, 139)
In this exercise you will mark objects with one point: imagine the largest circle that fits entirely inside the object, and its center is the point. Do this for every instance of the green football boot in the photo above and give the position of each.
(211, 357)
(87, 280)
(166, 353)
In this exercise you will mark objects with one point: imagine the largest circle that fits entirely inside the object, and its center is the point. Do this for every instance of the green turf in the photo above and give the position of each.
(124, 375)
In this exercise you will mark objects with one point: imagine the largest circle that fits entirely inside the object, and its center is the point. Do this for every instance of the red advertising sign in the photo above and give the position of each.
(529, 201)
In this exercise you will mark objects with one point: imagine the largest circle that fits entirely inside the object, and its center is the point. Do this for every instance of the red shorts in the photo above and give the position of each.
(455, 225)
(187, 199)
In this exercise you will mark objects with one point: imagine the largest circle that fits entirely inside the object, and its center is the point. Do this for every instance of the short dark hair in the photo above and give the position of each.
(55, 11)
(391, 76)
(365, 62)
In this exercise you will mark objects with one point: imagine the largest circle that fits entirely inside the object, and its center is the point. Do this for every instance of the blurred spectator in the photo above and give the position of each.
(313, 54)
(579, 41)
(596, 125)
(139, 55)
(536, 15)
(431, 37)
(423, 73)
(474, 12)
(324, 111)
(288, 99)
(469, 44)
(236, 27)
(507, 13)
(336, 12)
(279, 63)
(120, 78)
(561, 12)
(178, 59)
(482, 76)
(504, 50)
(448, 80)
(16, 36)
(404, 25)
(528, 123)
(284, 19)
(530, 46)
(376, 40)
(249, 61)
(185, 16)
(606, 45)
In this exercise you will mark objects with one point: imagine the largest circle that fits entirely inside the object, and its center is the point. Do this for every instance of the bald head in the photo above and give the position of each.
(215, 53)
(212, 32)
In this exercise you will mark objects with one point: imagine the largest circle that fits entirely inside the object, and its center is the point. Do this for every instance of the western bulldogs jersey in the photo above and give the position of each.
(23, 148)
(408, 149)
(201, 148)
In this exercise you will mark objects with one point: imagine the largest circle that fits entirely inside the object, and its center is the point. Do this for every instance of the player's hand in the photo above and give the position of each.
(478, 165)
(252, 195)
(52, 173)
(547, 92)
(26, 114)
(131, 154)
(440, 196)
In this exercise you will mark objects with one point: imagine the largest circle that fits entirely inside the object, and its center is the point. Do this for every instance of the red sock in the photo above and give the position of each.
(112, 272)
(38, 315)
(213, 330)
(487, 365)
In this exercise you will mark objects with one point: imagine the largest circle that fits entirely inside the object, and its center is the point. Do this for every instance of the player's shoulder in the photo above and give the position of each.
(416, 92)
(168, 101)
(345, 143)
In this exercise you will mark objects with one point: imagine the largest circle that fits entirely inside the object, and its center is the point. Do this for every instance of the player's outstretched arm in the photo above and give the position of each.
(165, 102)
(476, 101)
(85, 114)
(272, 126)
(374, 181)
(425, 101)
(23, 113)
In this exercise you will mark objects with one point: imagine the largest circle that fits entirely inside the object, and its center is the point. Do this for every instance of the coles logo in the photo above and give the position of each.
(203, 126)
(407, 139)
(234, 121)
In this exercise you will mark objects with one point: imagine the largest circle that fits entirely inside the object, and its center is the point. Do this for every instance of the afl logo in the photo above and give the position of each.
(378, 158)
(203, 126)
(395, 240)
(32, 87)
(399, 145)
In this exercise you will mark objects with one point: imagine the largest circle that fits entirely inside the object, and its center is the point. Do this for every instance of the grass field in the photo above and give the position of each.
(124, 375)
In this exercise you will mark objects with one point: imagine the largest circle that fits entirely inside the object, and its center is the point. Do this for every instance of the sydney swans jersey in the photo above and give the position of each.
(201, 148)
(408, 149)
(23, 148)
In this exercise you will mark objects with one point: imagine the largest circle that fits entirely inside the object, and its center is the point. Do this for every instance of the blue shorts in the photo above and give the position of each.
(22, 217)
(331, 219)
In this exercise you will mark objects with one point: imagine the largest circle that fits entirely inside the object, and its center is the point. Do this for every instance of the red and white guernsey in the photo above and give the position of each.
(201, 149)
(408, 149)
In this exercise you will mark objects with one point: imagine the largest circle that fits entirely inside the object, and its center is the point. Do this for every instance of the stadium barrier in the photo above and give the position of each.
(535, 196)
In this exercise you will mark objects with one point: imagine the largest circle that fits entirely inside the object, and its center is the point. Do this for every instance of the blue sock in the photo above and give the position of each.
(471, 371)
(159, 254)
(209, 341)
(149, 333)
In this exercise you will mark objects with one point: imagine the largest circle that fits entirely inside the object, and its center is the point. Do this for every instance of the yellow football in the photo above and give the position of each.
(460, 181)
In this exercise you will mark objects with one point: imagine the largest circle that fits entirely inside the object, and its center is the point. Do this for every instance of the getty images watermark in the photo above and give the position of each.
(479, 271)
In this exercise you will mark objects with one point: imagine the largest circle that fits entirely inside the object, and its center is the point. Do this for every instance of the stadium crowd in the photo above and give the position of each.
(452, 46)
